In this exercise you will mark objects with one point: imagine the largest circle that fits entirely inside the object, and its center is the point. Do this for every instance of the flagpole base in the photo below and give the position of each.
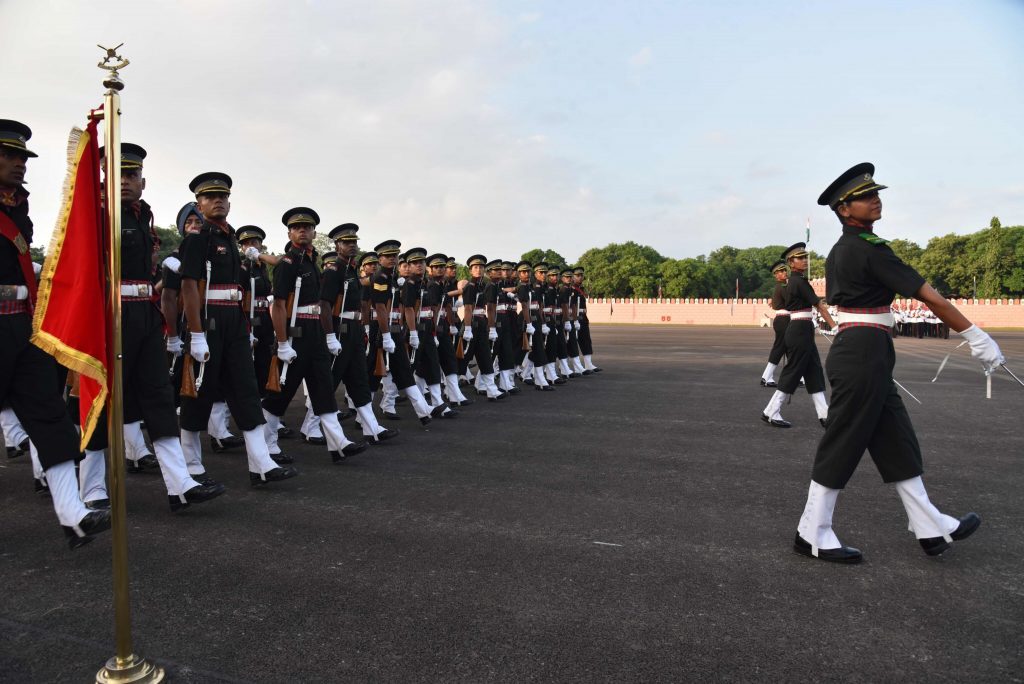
(133, 669)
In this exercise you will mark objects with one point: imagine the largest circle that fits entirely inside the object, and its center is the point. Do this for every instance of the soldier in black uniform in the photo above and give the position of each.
(508, 338)
(148, 395)
(531, 300)
(445, 328)
(779, 324)
(556, 303)
(862, 275)
(255, 282)
(297, 295)
(802, 360)
(341, 298)
(544, 297)
(368, 263)
(219, 333)
(571, 325)
(479, 298)
(586, 344)
(386, 299)
(422, 300)
(28, 376)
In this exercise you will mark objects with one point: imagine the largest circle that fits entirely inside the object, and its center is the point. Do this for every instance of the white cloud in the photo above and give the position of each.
(642, 58)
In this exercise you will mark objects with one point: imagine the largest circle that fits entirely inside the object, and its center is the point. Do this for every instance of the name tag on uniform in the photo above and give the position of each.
(221, 249)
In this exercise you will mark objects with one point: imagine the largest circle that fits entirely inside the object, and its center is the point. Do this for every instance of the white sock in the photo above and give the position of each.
(368, 421)
(435, 394)
(311, 424)
(452, 385)
(192, 450)
(92, 476)
(769, 372)
(774, 408)
(549, 369)
(172, 466)
(257, 452)
(820, 405)
(588, 362)
(577, 367)
(925, 520)
(816, 522)
(37, 467)
(64, 490)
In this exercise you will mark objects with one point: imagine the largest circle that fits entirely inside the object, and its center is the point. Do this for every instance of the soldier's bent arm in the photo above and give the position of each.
(169, 308)
(942, 308)
(279, 316)
(190, 298)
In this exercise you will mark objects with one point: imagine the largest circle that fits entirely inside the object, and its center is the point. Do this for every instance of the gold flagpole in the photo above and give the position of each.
(125, 666)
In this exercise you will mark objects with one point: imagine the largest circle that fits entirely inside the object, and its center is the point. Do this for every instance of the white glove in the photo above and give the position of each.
(983, 348)
(400, 282)
(252, 341)
(568, 326)
(285, 352)
(333, 344)
(172, 264)
(174, 345)
(437, 342)
(467, 334)
(453, 330)
(37, 267)
(544, 329)
(530, 329)
(388, 344)
(492, 334)
(366, 330)
(252, 254)
(198, 348)
(414, 339)
(511, 295)
(576, 324)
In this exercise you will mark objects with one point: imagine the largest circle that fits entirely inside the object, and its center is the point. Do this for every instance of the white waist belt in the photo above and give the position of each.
(886, 319)
(308, 309)
(426, 313)
(479, 312)
(140, 290)
(781, 312)
(351, 315)
(501, 307)
(13, 292)
(219, 295)
(801, 315)
(395, 315)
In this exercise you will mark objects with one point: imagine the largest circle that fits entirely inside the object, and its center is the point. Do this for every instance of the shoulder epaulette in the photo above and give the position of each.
(874, 239)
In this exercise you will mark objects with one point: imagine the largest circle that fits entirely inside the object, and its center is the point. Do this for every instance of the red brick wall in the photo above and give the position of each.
(750, 312)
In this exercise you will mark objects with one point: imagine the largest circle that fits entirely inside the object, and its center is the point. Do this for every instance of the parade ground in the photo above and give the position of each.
(635, 525)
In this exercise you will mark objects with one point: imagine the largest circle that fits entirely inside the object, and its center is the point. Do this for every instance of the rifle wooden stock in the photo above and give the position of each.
(460, 352)
(379, 370)
(188, 377)
(274, 374)
(526, 341)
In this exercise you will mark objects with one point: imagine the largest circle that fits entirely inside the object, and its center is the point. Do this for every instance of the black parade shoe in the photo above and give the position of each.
(272, 475)
(197, 494)
(768, 383)
(146, 463)
(349, 451)
(385, 434)
(545, 388)
(425, 421)
(98, 505)
(231, 442)
(285, 432)
(317, 441)
(933, 546)
(346, 414)
(776, 423)
(282, 459)
(392, 416)
(89, 526)
(844, 554)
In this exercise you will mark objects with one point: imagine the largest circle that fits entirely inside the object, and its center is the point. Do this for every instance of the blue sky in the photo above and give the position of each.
(497, 127)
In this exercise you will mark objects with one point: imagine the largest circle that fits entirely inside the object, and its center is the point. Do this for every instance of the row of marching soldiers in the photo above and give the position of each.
(243, 342)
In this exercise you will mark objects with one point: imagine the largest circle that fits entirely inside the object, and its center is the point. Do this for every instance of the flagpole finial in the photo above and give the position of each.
(113, 62)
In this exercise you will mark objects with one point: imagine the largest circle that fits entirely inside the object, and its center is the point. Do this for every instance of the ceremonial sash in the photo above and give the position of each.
(11, 232)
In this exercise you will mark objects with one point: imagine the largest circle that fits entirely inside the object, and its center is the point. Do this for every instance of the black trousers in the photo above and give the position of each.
(446, 350)
(586, 345)
(480, 346)
(572, 342)
(866, 413)
(313, 364)
(349, 366)
(509, 340)
(266, 347)
(428, 362)
(28, 384)
(537, 353)
(229, 374)
(779, 325)
(146, 383)
(802, 360)
(561, 344)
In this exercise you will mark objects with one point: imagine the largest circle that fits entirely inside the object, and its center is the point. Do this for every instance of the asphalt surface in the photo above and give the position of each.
(635, 525)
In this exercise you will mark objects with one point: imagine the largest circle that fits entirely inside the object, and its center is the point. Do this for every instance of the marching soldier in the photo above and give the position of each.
(27, 374)
(219, 334)
(802, 360)
(297, 297)
(779, 324)
(445, 329)
(422, 305)
(862, 275)
(256, 286)
(341, 298)
(508, 334)
(385, 297)
(454, 289)
(531, 300)
(557, 351)
(148, 395)
(479, 298)
(572, 325)
(586, 344)
(545, 297)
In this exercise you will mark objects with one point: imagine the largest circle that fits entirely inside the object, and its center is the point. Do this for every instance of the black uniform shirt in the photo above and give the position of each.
(410, 293)
(139, 243)
(262, 277)
(382, 285)
(216, 245)
(479, 293)
(332, 285)
(779, 296)
(863, 272)
(10, 268)
(432, 294)
(799, 293)
(297, 263)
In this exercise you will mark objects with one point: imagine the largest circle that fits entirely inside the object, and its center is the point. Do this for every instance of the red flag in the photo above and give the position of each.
(71, 314)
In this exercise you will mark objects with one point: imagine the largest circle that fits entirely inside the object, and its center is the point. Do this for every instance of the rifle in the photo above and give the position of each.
(339, 306)
(274, 377)
(188, 378)
(419, 317)
(526, 321)
(293, 332)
